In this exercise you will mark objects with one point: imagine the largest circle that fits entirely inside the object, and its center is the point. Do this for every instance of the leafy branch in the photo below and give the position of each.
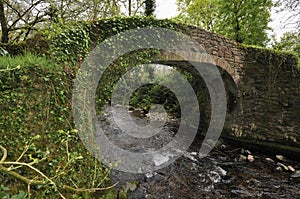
(41, 178)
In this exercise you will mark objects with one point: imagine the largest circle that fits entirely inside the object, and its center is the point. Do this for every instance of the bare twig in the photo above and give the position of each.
(4, 156)
(91, 190)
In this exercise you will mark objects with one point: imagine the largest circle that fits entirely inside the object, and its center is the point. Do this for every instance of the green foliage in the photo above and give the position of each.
(73, 41)
(37, 44)
(69, 43)
(290, 42)
(150, 94)
(270, 57)
(244, 21)
(5, 195)
(28, 59)
(202, 13)
(149, 7)
(145, 97)
(35, 100)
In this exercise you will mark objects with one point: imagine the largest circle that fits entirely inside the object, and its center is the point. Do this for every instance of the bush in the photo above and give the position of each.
(36, 128)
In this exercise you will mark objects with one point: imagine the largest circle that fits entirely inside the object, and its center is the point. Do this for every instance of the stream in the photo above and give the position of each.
(227, 172)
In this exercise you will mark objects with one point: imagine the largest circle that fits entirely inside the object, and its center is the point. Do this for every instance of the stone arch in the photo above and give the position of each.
(207, 58)
(218, 50)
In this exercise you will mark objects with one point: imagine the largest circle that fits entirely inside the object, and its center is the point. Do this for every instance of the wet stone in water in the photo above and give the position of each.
(218, 175)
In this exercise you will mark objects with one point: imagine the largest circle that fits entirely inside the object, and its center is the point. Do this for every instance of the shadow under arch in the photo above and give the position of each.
(200, 88)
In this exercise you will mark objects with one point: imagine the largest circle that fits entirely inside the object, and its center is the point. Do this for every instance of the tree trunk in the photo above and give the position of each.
(4, 28)
(237, 30)
(238, 37)
(129, 7)
(149, 7)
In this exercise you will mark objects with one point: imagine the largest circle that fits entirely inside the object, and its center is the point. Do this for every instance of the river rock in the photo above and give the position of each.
(291, 168)
(283, 166)
(250, 158)
(296, 174)
(279, 157)
(242, 158)
(190, 156)
(150, 175)
(214, 176)
(270, 160)
(221, 171)
(278, 169)
(241, 193)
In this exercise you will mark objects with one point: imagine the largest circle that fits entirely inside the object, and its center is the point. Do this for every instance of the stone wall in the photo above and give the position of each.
(269, 98)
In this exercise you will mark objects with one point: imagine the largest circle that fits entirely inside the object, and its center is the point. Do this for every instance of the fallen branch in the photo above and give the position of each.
(15, 174)
(30, 182)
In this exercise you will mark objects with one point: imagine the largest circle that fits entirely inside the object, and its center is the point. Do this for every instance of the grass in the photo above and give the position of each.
(11, 62)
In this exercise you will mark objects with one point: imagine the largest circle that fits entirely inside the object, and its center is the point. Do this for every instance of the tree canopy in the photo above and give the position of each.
(290, 41)
(244, 21)
(18, 18)
(202, 13)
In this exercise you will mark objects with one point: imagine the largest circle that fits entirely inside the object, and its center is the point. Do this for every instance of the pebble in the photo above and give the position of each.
(223, 146)
(296, 174)
(241, 193)
(248, 152)
(242, 158)
(282, 166)
(279, 157)
(148, 196)
(278, 169)
(221, 171)
(190, 156)
(250, 158)
(270, 160)
(291, 169)
(149, 175)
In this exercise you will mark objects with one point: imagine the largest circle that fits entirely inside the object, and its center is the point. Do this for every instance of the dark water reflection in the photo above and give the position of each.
(222, 174)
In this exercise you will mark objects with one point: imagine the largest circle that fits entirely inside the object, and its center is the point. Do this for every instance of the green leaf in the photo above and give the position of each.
(21, 195)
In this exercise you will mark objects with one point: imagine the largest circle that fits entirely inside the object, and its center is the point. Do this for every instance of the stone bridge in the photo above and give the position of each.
(263, 91)
(263, 87)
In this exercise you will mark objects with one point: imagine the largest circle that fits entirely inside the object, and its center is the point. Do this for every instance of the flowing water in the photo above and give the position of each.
(227, 172)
